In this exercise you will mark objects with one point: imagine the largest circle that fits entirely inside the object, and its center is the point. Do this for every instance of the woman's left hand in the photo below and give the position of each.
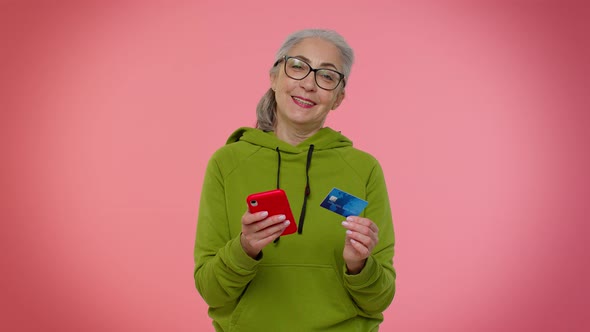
(362, 236)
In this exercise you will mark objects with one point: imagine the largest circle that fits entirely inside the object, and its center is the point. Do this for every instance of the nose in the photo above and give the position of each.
(308, 83)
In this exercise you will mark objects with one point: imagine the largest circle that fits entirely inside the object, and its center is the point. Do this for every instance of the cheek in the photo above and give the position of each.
(278, 83)
(337, 100)
(283, 83)
(331, 101)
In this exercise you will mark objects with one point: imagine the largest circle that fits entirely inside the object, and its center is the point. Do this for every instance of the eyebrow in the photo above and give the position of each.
(322, 65)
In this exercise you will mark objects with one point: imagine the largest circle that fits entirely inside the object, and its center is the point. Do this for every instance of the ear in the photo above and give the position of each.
(339, 99)
(273, 81)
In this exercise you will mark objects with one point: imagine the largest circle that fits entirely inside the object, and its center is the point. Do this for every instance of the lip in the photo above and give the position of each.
(303, 102)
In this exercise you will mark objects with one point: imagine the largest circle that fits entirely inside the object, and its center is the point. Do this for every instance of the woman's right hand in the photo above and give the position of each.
(258, 230)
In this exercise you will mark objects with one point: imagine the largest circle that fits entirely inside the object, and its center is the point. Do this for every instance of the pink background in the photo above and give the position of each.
(478, 112)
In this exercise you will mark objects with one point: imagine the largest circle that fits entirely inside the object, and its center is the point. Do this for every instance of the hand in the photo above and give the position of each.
(258, 231)
(362, 235)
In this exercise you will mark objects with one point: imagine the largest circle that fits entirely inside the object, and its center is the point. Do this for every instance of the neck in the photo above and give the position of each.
(294, 136)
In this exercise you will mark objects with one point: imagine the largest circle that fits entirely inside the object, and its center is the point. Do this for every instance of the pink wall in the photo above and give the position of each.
(479, 114)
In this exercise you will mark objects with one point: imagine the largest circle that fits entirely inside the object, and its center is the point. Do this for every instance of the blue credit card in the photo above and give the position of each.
(343, 203)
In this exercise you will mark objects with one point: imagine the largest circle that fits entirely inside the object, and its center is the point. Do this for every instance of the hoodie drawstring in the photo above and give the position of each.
(278, 167)
(307, 188)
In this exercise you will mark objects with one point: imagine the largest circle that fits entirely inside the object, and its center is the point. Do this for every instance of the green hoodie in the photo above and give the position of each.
(300, 282)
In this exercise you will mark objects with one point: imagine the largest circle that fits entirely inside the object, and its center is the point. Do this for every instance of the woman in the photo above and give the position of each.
(333, 274)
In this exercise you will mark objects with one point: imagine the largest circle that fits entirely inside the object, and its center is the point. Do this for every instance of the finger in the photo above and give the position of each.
(373, 232)
(356, 227)
(367, 241)
(266, 241)
(255, 237)
(375, 238)
(269, 234)
(374, 227)
(364, 251)
(268, 222)
(354, 220)
(269, 231)
(250, 218)
(366, 222)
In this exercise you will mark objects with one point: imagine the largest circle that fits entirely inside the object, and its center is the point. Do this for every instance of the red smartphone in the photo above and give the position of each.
(275, 202)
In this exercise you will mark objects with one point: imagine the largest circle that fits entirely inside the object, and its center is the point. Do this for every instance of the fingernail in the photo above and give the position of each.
(264, 214)
(349, 218)
(282, 217)
(344, 223)
(286, 223)
(348, 232)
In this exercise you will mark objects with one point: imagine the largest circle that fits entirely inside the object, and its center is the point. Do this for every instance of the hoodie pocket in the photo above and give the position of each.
(294, 298)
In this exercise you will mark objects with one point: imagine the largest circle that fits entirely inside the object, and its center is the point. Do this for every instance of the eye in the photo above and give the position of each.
(297, 65)
(328, 76)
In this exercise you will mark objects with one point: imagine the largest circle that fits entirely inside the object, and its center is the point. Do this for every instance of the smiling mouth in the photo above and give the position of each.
(303, 102)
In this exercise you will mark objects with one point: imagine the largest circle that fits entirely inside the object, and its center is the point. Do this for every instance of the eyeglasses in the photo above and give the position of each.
(298, 69)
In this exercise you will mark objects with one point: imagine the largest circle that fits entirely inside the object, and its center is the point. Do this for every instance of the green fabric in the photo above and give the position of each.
(300, 283)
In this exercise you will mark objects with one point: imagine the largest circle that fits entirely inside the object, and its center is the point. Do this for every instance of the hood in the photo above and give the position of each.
(326, 138)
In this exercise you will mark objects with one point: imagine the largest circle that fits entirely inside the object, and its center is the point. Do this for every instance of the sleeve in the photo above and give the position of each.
(373, 288)
(222, 268)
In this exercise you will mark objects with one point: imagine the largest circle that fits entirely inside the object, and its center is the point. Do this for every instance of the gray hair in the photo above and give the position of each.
(265, 110)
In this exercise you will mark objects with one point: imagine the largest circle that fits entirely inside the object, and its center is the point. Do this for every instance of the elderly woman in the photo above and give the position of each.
(335, 273)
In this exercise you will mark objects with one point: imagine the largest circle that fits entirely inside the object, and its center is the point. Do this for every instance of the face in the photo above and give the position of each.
(301, 104)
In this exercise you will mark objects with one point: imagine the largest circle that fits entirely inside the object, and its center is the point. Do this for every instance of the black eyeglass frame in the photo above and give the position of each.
(311, 69)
